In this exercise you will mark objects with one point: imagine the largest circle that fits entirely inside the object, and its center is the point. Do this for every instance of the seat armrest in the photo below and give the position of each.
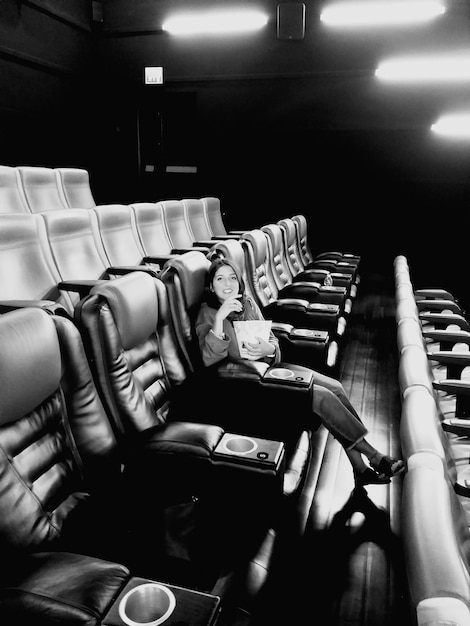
(203, 249)
(54, 308)
(82, 287)
(447, 338)
(442, 320)
(161, 259)
(456, 362)
(228, 236)
(459, 388)
(438, 305)
(127, 269)
(441, 294)
(204, 243)
(453, 386)
(295, 303)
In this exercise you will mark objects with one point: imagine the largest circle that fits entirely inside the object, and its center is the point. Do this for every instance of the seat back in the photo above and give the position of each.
(74, 185)
(300, 223)
(291, 246)
(27, 268)
(76, 246)
(184, 278)
(176, 224)
(43, 478)
(129, 338)
(232, 250)
(214, 215)
(197, 219)
(258, 270)
(41, 189)
(276, 254)
(151, 227)
(12, 198)
(118, 231)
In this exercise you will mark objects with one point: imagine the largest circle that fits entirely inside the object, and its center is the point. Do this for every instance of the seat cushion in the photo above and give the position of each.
(49, 588)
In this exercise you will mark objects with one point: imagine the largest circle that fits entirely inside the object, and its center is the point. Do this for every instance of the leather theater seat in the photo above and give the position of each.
(74, 185)
(62, 527)
(12, 197)
(129, 337)
(41, 189)
(295, 258)
(321, 314)
(184, 278)
(28, 273)
(308, 257)
(178, 229)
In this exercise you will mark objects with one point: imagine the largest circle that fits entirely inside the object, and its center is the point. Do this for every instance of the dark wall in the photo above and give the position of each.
(46, 52)
(273, 127)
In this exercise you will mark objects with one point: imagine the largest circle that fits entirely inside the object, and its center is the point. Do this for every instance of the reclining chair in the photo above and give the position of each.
(74, 186)
(308, 258)
(286, 282)
(62, 504)
(196, 215)
(214, 218)
(152, 231)
(76, 244)
(12, 198)
(41, 189)
(129, 337)
(269, 398)
(28, 273)
(177, 226)
(311, 347)
(295, 260)
(321, 314)
(120, 238)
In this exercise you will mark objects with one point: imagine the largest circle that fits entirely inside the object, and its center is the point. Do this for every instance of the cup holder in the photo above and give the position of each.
(149, 604)
(240, 445)
(282, 373)
(303, 332)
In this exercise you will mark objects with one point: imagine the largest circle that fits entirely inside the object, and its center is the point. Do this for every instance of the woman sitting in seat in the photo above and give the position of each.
(227, 302)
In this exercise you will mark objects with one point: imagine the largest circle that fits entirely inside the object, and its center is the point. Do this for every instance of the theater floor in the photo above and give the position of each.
(351, 569)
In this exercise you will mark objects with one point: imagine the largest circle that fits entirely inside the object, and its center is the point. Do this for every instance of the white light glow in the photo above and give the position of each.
(377, 13)
(426, 69)
(456, 125)
(215, 22)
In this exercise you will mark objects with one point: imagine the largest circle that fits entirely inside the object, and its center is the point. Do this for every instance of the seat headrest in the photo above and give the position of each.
(30, 365)
(258, 242)
(133, 301)
(232, 250)
(191, 268)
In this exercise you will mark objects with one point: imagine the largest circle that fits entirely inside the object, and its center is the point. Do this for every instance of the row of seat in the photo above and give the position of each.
(114, 438)
(116, 468)
(58, 255)
(34, 189)
(433, 342)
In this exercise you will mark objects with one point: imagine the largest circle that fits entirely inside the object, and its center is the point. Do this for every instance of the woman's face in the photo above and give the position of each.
(225, 283)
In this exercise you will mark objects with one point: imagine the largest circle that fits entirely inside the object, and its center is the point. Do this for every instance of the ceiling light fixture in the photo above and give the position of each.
(431, 68)
(454, 126)
(215, 22)
(376, 13)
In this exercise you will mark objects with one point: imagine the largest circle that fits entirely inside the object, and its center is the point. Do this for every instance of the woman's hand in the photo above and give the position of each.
(228, 306)
(260, 349)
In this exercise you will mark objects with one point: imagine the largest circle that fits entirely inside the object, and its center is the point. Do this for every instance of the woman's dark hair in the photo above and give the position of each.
(211, 299)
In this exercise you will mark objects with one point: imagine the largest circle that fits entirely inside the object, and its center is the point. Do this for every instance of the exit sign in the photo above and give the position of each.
(154, 75)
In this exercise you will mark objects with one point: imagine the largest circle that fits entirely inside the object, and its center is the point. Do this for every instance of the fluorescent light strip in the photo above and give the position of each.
(377, 13)
(454, 126)
(215, 22)
(426, 69)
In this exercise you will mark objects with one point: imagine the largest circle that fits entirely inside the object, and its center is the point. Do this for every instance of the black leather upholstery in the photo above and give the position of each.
(168, 458)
